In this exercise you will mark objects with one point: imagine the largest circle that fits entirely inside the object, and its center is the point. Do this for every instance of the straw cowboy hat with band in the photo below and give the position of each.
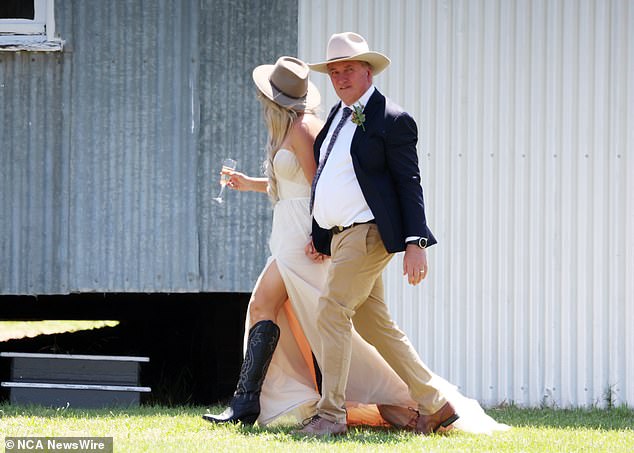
(286, 83)
(349, 46)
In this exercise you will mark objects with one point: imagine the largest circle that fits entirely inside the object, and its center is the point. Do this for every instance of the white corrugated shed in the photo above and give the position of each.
(526, 122)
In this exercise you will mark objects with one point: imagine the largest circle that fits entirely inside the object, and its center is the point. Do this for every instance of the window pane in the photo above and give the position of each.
(17, 9)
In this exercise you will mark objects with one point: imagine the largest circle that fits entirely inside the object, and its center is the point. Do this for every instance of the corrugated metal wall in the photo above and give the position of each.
(525, 110)
(110, 150)
(34, 174)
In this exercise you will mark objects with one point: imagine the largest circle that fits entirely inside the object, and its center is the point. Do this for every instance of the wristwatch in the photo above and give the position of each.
(420, 242)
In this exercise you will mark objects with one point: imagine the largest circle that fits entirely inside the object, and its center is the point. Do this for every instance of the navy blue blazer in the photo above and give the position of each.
(386, 165)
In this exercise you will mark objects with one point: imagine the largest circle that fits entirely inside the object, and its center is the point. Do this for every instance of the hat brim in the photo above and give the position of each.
(377, 60)
(261, 75)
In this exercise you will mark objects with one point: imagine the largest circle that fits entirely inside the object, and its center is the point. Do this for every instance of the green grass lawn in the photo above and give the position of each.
(158, 429)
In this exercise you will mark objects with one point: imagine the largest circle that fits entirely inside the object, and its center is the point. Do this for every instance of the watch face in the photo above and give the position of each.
(420, 242)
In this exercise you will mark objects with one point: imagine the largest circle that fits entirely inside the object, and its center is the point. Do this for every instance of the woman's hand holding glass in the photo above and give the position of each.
(244, 183)
(227, 165)
(236, 180)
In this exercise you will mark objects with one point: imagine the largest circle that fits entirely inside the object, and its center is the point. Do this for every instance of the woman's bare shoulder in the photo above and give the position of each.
(307, 127)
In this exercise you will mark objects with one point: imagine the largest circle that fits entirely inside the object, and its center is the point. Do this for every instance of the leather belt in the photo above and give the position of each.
(338, 229)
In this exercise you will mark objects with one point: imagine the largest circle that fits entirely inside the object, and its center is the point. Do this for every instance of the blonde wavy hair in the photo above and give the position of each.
(279, 121)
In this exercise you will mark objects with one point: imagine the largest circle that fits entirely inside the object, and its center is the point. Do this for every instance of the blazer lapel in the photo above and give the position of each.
(369, 111)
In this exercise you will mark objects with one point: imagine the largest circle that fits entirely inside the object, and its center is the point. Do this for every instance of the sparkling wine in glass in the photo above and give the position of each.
(227, 164)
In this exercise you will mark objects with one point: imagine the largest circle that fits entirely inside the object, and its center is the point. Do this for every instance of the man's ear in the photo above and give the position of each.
(370, 71)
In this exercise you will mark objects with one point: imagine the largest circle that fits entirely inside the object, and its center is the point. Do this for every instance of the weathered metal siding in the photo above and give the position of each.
(34, 173)
(525, 111)
(235, 244)
(111, 150)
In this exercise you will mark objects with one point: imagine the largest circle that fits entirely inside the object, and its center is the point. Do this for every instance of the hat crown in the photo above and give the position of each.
(287, 84)
(290, 77)
(349, 46)
(345, 45)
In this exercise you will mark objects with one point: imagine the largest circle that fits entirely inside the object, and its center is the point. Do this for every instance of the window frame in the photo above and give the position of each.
(36, 34)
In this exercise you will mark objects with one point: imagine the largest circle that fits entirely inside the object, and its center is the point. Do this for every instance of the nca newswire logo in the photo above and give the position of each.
(58, 444)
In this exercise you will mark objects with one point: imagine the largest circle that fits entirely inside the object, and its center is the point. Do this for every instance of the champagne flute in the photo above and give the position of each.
(227, 164)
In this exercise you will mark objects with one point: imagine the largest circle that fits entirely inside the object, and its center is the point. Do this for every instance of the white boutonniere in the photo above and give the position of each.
(358, 117)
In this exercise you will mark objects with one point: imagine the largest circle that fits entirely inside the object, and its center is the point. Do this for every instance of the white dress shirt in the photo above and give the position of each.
(338, 197)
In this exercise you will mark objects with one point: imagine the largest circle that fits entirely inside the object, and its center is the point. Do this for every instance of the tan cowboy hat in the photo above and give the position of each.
(286, 83)
(349, 46)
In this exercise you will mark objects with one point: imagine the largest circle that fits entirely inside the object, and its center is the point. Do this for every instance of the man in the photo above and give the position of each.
(367, 204)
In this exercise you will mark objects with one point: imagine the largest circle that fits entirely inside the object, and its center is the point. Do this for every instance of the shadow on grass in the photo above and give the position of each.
(615, 419)
(371, 435)
(284, 429)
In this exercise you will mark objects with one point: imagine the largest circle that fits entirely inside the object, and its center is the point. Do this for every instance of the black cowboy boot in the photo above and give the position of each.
(245, 404)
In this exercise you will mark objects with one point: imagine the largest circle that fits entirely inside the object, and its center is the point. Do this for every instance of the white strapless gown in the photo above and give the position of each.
(290, 386)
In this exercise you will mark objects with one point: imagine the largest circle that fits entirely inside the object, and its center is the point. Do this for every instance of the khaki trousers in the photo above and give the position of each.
(354, 295)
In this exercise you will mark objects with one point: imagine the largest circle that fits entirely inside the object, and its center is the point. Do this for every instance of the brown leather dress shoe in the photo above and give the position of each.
(427, 424)
(319, 427)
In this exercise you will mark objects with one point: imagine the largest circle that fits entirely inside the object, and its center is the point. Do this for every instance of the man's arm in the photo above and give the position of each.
(402, 161)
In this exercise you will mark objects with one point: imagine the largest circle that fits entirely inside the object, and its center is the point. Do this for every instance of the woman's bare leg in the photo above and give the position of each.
(267, 299)
(268, 296)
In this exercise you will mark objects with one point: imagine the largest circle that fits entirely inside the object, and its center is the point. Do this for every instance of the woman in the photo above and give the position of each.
(278, 373)
(288, 101)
